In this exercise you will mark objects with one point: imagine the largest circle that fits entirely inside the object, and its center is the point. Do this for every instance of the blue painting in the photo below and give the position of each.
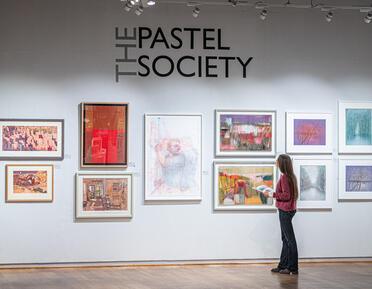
(359, 126)
(359, 178)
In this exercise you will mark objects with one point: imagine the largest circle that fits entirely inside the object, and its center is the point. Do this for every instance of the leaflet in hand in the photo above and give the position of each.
(264, 188)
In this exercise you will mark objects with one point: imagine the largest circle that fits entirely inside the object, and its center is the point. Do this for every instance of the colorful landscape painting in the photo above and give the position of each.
(105, 194)
(246, 132)
(313, 182)
(309, 132)
(30, 182)
(358, 178)
(236, 185)
(358, 126)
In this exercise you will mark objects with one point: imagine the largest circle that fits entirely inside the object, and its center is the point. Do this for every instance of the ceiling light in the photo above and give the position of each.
(196, 12)
(234, 2)
(139, 11)
(368, 18)
(329, 16)
(151, 2)
(263, 14)
(129, 5)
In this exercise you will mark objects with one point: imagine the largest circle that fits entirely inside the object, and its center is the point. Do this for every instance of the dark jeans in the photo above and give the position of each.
(289, 255)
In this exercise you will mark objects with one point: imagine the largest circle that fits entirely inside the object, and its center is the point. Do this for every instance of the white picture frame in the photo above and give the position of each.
(359, 188)
(103, 180)
(232, 165)
(355, 127)
(173, 157)
(320, 186)
(309, 133)
(246, 126)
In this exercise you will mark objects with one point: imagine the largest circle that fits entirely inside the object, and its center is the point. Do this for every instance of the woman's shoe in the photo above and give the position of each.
(276, 270)
(288, 272)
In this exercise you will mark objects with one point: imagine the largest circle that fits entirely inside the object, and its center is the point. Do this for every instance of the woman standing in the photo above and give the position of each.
(286, 198)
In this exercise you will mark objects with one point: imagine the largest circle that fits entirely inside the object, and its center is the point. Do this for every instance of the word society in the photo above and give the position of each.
(189, 52)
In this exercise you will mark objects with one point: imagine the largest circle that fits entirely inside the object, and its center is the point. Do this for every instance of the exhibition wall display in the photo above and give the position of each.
(187, 152)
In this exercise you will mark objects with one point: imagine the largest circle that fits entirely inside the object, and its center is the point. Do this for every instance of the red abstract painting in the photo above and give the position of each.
(104, 134)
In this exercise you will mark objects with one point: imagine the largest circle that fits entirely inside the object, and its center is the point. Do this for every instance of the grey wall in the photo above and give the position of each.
(56, 54)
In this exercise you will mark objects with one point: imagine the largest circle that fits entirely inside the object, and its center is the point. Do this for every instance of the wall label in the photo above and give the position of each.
(132, 41)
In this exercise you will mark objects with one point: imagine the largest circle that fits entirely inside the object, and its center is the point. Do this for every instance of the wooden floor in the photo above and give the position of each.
(312, 276)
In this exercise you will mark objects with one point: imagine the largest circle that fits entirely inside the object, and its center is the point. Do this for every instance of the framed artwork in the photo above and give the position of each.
(103, 195)
(25, 139)
(355, 127)
(235, 183)
(173, 151)
(245, 133)
(29, 183)
(355, 179)
(315, 181)
(104, 135)
(309, 133)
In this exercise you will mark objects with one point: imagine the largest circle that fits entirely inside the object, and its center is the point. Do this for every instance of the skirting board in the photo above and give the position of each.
(180, 263)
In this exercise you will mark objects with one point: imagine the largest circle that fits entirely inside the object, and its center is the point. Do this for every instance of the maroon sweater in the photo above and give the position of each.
(284, 195)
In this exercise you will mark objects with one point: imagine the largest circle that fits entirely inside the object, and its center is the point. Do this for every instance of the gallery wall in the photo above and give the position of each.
(57, 54)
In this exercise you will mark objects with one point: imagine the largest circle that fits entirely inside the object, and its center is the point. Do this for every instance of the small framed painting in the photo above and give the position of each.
(236, 183)
(355, 127)
(315, 181)
(245, 133)
(104, 135)
(355, 179)
(103, 195)
(173, 157)
(309, 133)
(26, 139)
(29, 183)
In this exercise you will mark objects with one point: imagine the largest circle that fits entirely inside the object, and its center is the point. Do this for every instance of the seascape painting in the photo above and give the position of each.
(173, 157)
(313, 180)
(235, 185)
(245, 133)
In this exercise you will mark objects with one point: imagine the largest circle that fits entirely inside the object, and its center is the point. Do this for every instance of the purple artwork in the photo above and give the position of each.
(358, 178)
(246, 132)
(309, 131)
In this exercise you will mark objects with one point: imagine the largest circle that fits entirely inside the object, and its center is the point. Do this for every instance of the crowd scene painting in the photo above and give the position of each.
(29, 138)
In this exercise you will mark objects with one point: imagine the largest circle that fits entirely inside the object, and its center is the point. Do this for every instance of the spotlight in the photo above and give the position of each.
(129, 5)
(151, 2)
(196, 12)
(329, 16)
(368, 18)
(263, 14)
(234, 2)
(139, 10)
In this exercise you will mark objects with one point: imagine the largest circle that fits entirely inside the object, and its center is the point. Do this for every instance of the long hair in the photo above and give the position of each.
(286, 167)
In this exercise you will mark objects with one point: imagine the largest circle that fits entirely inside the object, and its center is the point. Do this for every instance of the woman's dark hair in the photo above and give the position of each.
(286, 167)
